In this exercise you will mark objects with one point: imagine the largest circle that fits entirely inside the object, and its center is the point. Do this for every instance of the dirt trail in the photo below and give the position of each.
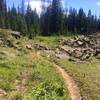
(72, 87)
(70, 83)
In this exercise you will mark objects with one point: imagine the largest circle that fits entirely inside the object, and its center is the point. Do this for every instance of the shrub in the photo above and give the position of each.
(47, 91)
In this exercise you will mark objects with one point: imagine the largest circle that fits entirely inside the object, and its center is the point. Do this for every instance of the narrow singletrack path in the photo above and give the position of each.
(71, 86)
(69, 82)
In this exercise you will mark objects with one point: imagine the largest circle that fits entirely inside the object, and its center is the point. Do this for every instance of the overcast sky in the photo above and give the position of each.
(94, 5)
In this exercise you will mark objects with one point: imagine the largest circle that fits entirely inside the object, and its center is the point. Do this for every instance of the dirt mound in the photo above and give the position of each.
(83, 47)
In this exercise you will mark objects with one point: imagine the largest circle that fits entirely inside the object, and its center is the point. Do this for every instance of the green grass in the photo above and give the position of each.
(52, 41)
(87, 76)
(49, 41)
(9, 68)
(44, 82)
(51, 86)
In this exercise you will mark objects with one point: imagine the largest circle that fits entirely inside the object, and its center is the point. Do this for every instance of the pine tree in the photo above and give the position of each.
(65, 22)
(81, 22)
(32, 21)
(56, 17)
(22, 26)
(2, 13)
(13, 18)
(1, 4)
(23, 8)
(36, 23)
(72, 18)
(98, 24)
(8, 23)
(89, 21)
(45, 21)
(28, 19)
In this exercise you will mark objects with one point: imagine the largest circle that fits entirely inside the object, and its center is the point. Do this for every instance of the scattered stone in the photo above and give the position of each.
(80, 43)
(29, 46)
(41, 47)
(2, 92)
(16, 34)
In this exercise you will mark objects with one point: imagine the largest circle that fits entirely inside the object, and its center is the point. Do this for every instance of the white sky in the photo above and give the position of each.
(35, 4)
(98, 3)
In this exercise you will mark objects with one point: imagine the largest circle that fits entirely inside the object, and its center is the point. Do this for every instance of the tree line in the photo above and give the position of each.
(53, 20)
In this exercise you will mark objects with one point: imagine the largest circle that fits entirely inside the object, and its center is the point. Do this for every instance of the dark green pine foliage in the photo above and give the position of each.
(21, 22)
(45, 19)
(32, 21)
(98, 24)
(22, 26)
(13, 18)
(2, 13)
(23, 7)
(56, 17)
(36, 23)
(29, 21)
(8, 23)
(81, 21)
(5, 14)
(72, 20)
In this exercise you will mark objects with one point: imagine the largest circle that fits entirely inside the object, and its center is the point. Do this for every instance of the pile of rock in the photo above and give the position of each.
(82, 47)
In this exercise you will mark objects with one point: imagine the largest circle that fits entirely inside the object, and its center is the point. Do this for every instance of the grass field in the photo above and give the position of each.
(51, 41)
(43, 82)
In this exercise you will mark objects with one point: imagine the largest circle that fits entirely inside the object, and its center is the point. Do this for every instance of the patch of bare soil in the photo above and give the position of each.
(33, 55)
(3, 95)
(20, 84)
